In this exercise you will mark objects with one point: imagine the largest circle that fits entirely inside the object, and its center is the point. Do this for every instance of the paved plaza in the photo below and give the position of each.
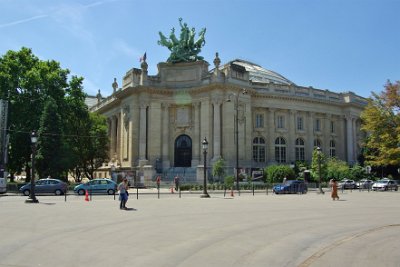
(362, 229)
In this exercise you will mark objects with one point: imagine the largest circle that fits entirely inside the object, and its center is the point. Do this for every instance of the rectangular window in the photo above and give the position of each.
(300, 155)
(280, 122)
(317, 126)
(300, 123)
(259, 121)
(332, 127)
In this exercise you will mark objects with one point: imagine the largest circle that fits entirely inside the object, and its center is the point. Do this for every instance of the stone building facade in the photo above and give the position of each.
(157, 123)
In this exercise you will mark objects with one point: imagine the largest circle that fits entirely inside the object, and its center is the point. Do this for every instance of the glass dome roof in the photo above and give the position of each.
(257, 74)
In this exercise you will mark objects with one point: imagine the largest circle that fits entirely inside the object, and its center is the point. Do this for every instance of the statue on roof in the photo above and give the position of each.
(185, 49)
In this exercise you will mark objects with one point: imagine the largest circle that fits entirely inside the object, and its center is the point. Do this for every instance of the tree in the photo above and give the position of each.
(276, 173)
(381, 122)
(318, 161)
(26, 82)
(219, 169)
(337, 169)
(95, 150)
(51, 150)
(37, 92)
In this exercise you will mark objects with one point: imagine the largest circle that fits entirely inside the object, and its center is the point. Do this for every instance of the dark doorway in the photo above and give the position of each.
(183, 151)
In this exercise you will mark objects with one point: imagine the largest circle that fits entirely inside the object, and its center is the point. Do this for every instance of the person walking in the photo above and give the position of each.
(334, 187)
(123, 194)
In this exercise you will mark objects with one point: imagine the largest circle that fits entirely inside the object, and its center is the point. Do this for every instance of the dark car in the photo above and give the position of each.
(49, 185)
(290, 187)
(96, 186)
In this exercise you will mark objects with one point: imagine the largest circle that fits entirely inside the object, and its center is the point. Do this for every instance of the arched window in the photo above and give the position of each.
(332, 149)
(259, 149)
(300, 150)
(317, 143)
(280, 150)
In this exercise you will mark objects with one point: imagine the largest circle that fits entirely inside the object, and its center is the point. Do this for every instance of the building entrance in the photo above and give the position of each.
(183, 151)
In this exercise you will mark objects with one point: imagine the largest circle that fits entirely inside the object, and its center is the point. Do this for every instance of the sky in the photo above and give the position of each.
(338, 45)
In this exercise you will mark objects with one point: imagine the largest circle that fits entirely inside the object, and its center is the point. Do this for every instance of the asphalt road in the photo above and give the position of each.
(362, 229)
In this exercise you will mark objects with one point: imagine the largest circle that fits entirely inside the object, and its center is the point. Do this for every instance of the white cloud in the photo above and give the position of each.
(21, 21)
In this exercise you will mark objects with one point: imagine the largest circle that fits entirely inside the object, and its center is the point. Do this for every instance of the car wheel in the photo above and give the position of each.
(385, 189)
(110, 191)
(58, 192)
(26, 192)
(81, 192)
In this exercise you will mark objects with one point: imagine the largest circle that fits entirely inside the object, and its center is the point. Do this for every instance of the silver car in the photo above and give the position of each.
(49, 185)
(385, 185)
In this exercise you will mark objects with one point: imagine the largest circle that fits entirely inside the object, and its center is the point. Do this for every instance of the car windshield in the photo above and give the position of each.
(383, 181)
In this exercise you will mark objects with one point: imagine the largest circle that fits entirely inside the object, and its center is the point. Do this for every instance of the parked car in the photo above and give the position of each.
(365, 184)
(347, 184)
(96, 186)
(48, 185)
(385, 184)
(290, 187)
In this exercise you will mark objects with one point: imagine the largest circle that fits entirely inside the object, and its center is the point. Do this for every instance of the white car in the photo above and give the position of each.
(385, 184)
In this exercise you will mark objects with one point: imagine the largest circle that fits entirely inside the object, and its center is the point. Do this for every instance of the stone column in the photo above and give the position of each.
(142, 133)
(310, 136)
(271, 135)
(349, 139)
(113, 136)
(165, 136)
(292, 137)
(217, 130)
(327, 133)
(196, 134)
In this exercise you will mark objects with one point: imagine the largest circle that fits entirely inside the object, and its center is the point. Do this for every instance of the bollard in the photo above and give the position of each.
(179, 189)
(90, 194)
(114, 194)
(137, 192)
(224, 190)
(253, 189)
(158, 191)
(65, 195)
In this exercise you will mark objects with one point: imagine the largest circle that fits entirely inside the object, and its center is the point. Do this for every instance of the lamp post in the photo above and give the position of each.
(242, 91)
(32, 197)
(205, 147)
(319, 151)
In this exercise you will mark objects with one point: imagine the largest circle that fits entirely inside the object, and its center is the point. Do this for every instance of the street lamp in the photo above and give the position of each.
(32, 197)
(242, 91)
(205, 147)
(319, 152)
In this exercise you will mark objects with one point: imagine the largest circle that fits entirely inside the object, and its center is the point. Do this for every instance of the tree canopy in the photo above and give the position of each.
(381, 122)
(42, 97)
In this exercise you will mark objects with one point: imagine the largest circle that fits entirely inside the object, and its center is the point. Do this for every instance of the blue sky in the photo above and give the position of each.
(339, 45)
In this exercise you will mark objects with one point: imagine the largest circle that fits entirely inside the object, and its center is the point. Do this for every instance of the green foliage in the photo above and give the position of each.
(319, 164)
(337, 169)
(50, 144)
(41, 98)
(219, 169)
(276, 173)
(357, 173)
(381, 123)
(229, 181)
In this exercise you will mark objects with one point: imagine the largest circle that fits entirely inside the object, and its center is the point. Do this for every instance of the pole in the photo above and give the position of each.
(237, 142)
(205, 146)
(32, 197)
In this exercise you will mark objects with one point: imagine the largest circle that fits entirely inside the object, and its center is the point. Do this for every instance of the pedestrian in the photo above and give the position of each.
(158, 181)
(176, 181)
(123, 194)
(334, 187)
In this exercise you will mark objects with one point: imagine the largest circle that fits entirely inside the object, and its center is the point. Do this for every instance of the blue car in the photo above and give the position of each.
(97, 186)
(290, 187)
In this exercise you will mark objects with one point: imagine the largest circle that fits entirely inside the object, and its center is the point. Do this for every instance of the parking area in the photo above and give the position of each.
(362, 229)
